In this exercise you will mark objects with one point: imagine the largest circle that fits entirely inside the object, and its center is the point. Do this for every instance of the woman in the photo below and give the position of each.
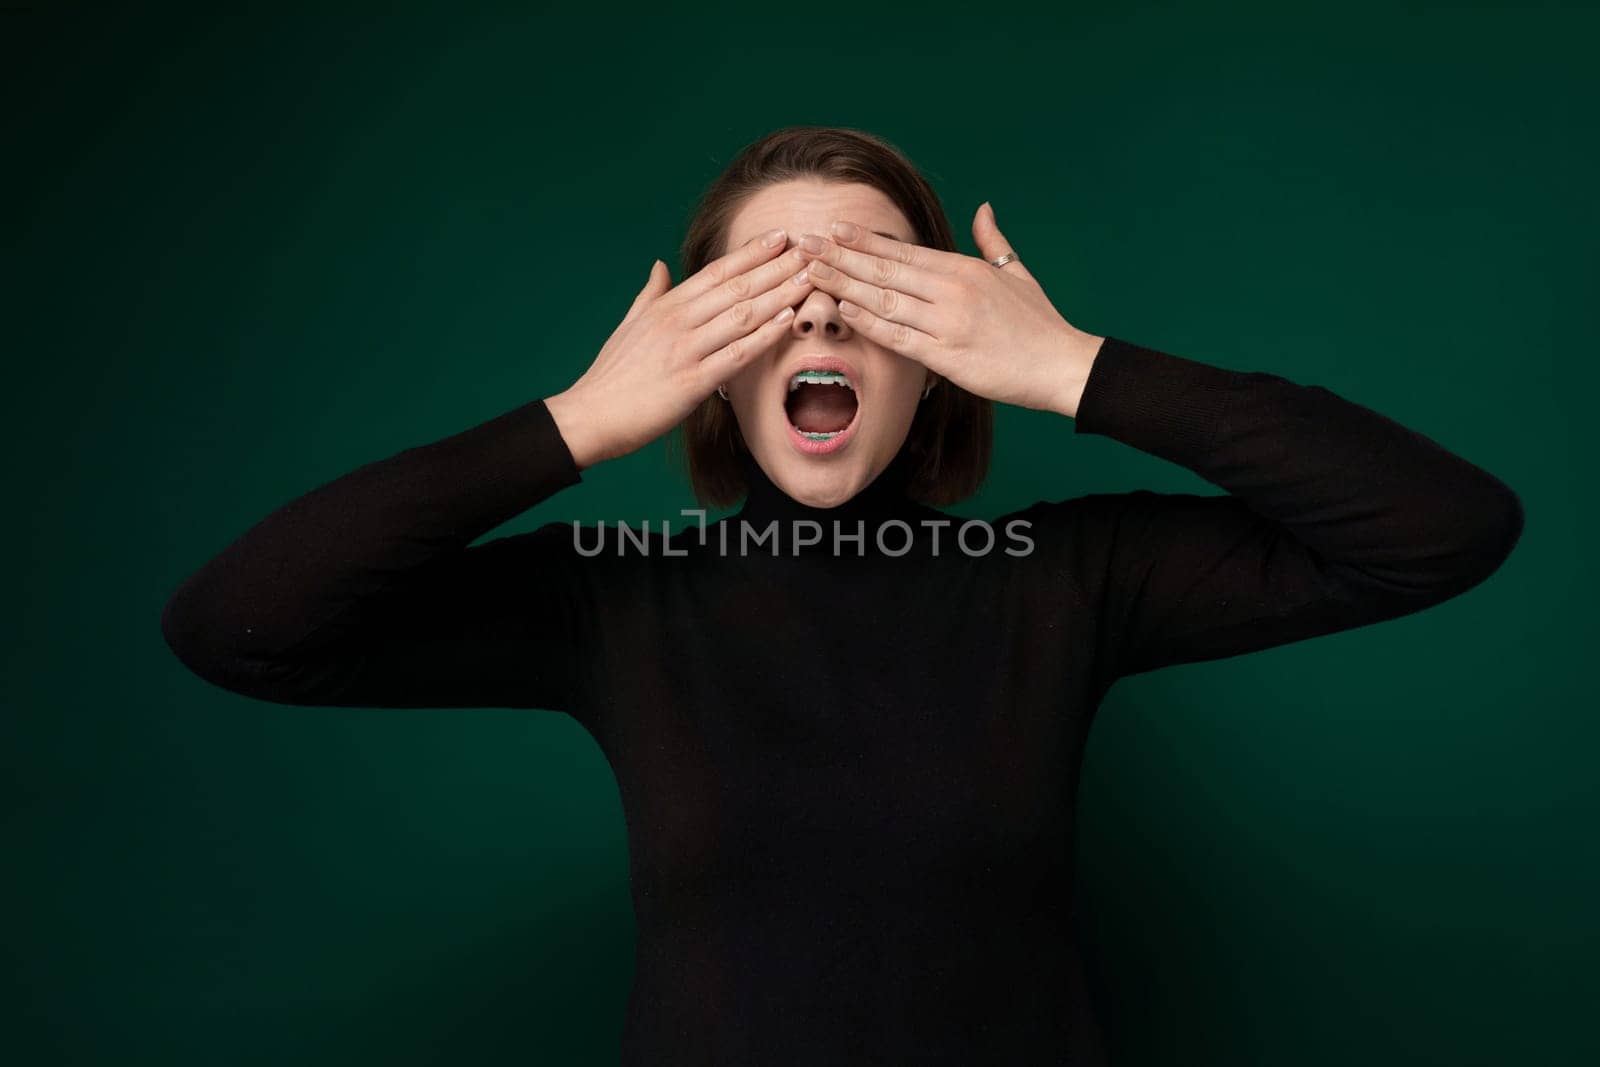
(846, 729)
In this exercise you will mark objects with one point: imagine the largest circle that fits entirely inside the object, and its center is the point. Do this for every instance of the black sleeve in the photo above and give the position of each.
(364, 592)
(1336, 516)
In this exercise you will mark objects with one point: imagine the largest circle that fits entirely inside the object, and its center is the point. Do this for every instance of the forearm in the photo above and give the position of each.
(307, 570)
(1363, 492)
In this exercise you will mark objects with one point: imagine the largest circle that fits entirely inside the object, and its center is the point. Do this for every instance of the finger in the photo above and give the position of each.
(741, 317)
(913, 269)
(885, 303)
(993, 244)
(659, 282)
(738, 353)
(736, 262)
(895, 336)
(750, 284)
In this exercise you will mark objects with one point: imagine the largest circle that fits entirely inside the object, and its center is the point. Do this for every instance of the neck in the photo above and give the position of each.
(884, 498)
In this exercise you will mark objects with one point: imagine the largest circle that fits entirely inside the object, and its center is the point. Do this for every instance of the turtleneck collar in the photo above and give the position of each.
(885, 497)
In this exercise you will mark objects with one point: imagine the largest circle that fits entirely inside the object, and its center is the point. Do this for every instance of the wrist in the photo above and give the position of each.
(573, 418)
(1082, 349)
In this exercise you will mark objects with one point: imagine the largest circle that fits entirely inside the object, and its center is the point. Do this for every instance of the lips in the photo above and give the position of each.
(821, 402)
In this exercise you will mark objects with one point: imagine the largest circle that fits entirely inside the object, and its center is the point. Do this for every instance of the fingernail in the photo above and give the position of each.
(811, 243)
(845, 231)
(772, 238)
(848, 310)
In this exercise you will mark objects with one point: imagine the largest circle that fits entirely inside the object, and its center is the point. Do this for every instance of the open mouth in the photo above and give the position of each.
(821, 406)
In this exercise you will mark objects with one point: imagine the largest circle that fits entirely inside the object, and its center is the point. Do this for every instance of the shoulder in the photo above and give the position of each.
(1094, 529)
(1083, 514)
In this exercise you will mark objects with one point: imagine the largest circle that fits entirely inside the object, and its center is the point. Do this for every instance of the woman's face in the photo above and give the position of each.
(788, 431)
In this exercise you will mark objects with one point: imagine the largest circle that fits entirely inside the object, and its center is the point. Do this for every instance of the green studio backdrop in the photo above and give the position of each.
(247, 253)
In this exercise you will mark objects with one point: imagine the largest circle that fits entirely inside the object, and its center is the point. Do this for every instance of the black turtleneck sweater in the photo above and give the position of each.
(849, 780)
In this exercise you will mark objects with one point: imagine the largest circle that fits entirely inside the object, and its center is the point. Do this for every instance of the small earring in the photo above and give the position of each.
(928, 390)
(722, 391)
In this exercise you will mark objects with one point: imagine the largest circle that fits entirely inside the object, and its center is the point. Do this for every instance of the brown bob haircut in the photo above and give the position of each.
(951, 436)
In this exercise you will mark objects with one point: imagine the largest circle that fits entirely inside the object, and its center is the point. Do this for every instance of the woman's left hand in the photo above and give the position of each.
(990, 330)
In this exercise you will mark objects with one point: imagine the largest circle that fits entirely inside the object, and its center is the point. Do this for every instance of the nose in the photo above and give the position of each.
(818, 316)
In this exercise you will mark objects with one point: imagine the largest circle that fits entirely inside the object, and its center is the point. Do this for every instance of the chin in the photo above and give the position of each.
(818, 484)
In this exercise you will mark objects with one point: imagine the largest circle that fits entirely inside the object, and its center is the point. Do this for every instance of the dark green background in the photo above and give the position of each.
(245, 254)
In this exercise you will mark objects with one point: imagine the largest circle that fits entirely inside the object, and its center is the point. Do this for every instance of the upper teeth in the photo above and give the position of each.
(819, 377)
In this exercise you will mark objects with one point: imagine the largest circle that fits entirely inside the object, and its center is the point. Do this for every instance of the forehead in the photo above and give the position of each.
(810, 206)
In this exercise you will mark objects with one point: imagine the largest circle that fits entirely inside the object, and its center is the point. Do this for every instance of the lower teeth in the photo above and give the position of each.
(810, 436)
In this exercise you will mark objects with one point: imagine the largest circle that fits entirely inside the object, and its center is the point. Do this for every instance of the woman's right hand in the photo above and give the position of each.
(676, 345)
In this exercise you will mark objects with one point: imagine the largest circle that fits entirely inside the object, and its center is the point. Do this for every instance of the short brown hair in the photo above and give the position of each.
(951, 436)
